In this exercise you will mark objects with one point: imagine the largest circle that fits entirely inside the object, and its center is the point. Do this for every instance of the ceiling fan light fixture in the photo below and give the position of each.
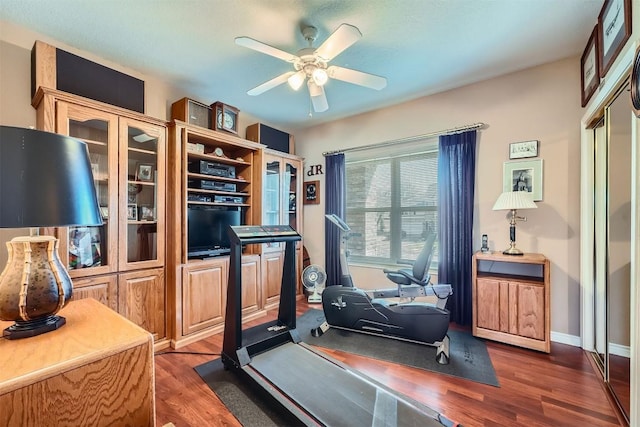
(310, 65)
(296, 80)
(320, 76)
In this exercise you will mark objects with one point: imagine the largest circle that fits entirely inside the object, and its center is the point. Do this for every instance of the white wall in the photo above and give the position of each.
(541, 103)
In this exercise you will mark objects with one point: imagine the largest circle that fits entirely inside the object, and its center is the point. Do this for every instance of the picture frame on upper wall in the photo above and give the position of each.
(312, 192)
(522, 150)
(614, 29)
(523, 175)
(590, 67)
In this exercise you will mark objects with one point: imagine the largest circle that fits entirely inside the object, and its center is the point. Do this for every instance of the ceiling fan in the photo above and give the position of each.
(310, 64)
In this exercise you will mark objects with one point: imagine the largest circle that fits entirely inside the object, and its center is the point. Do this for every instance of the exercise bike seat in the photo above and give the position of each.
(418, 275)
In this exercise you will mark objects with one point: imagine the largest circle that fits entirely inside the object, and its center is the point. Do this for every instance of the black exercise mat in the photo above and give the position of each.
(250, 406)
(469, 358)
(253, 407)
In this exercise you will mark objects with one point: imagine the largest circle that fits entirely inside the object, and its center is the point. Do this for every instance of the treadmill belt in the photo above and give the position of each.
(335, 395)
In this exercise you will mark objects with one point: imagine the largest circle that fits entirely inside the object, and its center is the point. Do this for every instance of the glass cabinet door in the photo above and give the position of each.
(291, 186)
(92, 250)
(272, 193)
(141, 196)
(272, 211)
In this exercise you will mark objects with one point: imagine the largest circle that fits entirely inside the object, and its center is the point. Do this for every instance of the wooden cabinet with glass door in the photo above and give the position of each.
(281, 204)
(127, 154)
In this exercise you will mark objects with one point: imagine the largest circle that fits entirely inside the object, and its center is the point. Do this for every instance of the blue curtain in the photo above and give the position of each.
(456, 180)
(334, 203)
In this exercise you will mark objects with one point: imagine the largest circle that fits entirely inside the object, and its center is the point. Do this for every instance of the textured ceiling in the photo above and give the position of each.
(421, 46)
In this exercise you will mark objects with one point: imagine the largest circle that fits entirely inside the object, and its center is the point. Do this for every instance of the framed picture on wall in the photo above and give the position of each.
(312, 192)
(524, 149)
(589, 66)
(523, 175)
(614, 29)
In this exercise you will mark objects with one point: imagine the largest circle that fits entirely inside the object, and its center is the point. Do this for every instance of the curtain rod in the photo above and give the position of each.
(408, 139)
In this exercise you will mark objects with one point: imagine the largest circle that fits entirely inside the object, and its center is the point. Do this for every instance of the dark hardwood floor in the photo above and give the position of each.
(536, 389)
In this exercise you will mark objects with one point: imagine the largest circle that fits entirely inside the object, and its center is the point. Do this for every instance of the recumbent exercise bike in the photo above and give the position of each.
(372, 312)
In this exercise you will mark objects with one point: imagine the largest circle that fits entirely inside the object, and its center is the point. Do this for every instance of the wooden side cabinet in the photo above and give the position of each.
(511, 299)
(97, 370)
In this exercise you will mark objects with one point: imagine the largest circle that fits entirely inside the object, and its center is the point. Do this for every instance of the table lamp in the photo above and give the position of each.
(45, 181)
(514, 200)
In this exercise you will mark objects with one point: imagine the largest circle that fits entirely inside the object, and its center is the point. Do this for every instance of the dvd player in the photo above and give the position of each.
(212, 168)
(227, 199)
(205, 184)
(198, 198)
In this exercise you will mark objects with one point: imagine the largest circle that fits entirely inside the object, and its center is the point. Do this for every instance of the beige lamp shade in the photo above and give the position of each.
(510, 200)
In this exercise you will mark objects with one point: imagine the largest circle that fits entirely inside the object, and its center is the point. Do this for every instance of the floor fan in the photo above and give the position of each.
(313, 279)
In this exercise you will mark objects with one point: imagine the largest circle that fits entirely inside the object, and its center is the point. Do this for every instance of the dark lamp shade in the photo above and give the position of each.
(45, 180)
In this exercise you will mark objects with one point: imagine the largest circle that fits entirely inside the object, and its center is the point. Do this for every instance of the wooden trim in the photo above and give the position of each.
(90, 103)
(225, 137)
(44, 65)
(283, 155)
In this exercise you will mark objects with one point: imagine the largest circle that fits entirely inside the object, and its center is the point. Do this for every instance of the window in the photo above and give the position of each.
(392, 201)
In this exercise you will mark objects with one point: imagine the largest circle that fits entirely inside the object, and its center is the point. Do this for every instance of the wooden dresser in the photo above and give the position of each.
(511, 299)
(97, 370)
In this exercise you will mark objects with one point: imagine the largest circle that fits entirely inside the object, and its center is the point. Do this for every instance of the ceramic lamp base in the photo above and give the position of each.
(34, 286)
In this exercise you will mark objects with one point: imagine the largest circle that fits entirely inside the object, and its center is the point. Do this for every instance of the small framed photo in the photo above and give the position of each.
(144, 172)
(292, 201)
(614, 29)
(146, 213)
(84, 247)
(312, 192)
(104, 211)
(589, 65)
(523, 175)
(132, 212)
(521, 150)
(95, 170)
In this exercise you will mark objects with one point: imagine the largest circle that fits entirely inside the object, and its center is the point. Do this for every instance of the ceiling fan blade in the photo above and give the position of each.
(318, 97)
(357, 77)
(276, 81)
(265, 48)
(338, 41)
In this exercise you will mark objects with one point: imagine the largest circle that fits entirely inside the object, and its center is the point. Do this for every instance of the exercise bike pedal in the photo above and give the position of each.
(442, 351)
(316, 332)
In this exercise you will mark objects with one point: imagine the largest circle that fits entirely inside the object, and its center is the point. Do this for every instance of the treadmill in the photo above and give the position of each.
(310, 386)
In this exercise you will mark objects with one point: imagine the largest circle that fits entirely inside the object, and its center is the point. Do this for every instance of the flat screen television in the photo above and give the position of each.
(207, 230)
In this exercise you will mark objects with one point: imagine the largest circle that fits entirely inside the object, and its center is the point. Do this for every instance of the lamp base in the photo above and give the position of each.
(512, 251)
(31, 328)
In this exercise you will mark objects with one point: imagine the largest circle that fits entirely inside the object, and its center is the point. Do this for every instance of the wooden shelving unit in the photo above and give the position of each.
(196, 302)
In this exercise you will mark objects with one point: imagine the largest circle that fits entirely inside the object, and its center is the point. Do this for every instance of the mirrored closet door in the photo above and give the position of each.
(612, 249)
